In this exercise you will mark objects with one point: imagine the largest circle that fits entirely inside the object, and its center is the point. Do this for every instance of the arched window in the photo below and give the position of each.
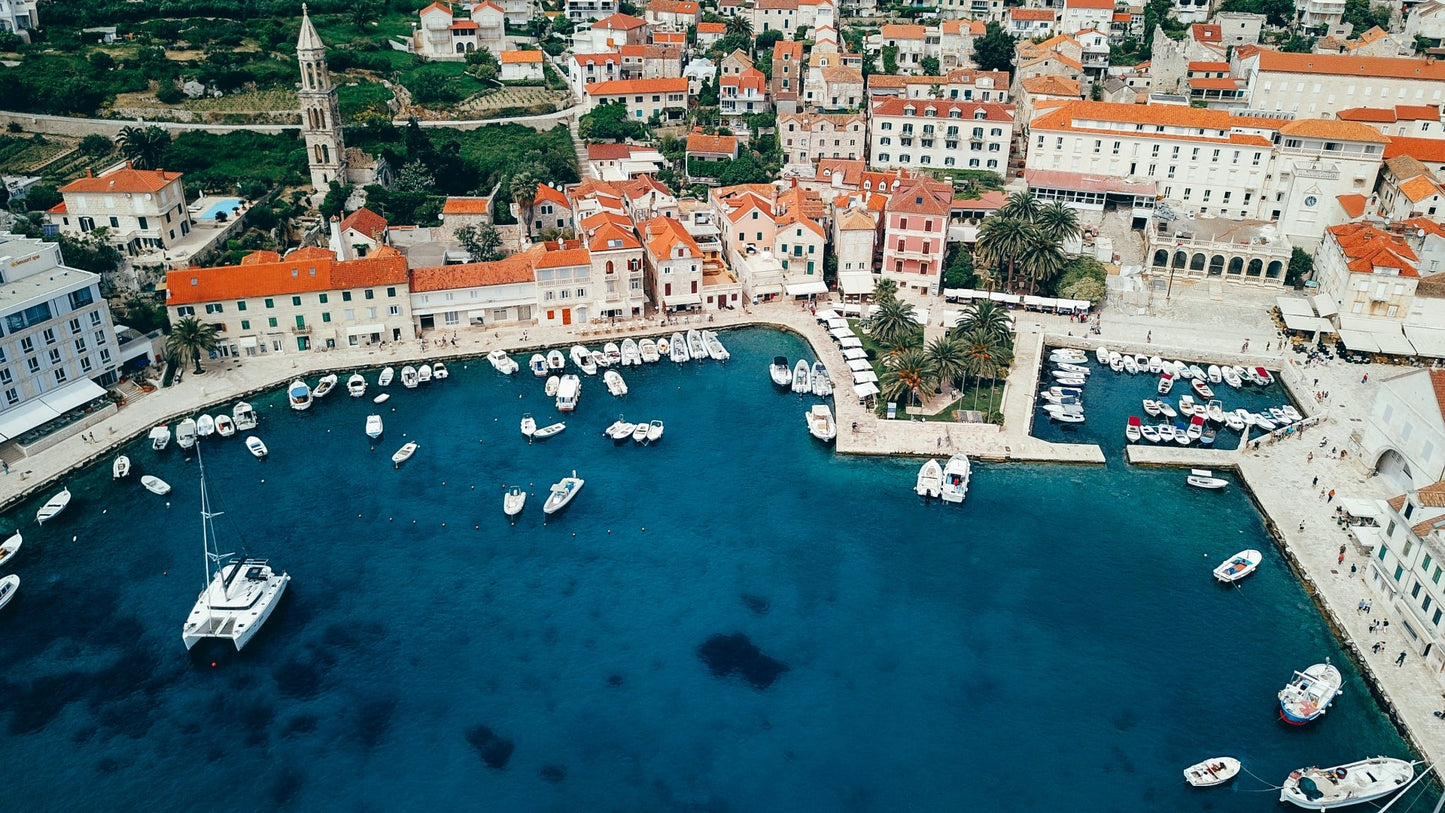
(1161, 258)
(610, 269)
(325, 154)
(1236, 266)
(1180, 259)
(1275, 267)
(1196, 263)
(1255, 266)
(1216, 265)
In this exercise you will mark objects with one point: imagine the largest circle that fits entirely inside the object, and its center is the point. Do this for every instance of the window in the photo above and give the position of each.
(326, 316)
(100, 337)
(12, 396)
(49, 334)
(296, 301)
(391, 293)
(185, 310)
(370, 294)
(80, 345)
(322, 298)
(32, 364)
(345, 296)
(81, 298)
(94, 318)
(271, 322)
(104, 356)
(5, 376)
(394, 310)
(245, 324)
(60, 375)
(270, 303)
(214, 307)
(241, 305)
(53, 355)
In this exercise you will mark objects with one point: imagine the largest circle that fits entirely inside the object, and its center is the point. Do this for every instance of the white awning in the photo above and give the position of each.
(48, 407)
(1293, 305)
(920, 315)
(1394, 343)
(850, 341)
(1324, 305)
(680, 300)
(1357, 507)
(247, 341)
(855, 353)
(827, 314)
(954, 293)
(837, 322)
(865, 390)
(856, 283)
(365, 330)
(1427, 341)
(1011, 299)
(1295, 321)
(864, 376)
(806, 288)
(767, 288)
(857, 365)
(1358, 341)
(840, 332)
(851, 308)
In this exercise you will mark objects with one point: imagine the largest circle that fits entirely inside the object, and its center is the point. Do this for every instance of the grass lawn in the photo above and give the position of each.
(363, 100)
(876, 354)
(336, 29)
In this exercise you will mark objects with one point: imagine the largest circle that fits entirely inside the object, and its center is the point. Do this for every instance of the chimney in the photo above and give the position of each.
(128, 164)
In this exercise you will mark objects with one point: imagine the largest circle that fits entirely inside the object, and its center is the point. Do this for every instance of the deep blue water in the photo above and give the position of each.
(1054, 643)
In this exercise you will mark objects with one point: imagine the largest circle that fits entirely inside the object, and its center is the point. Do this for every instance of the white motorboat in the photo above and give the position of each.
(802, 377)
(1214, 374)
(1076, 369)
(1067, 417)
(1101, 354)
(930, 479)
(424, 374)
(631, 355)
(654, 432)
(538, 364)
(1066, 408)
(1058, 392)
(780, 372)
(1133, 431)
(205, 426)
(503, 363)
(387, 374)
(1149, 433)
(822, 384)
(563, 492)
(1186, 404)
(647, 349)
(618, 429)
(225, 425)
(1068, 355)
(325, 386)
(529, 424)
(1167, 409)
(1050, 398)
(1230, 377)
(1264, 422)
(120, 469)
(956, 474)
(1196, 427)
(1182, 436)
(404, 454)
(548, 431)
(1130, 366)
(553, 384)
(155, 485)
(1291, 414)
(614, 382)
(639, 434)
(1155, 365)
(1142, 362)
(677, 348)
(1211, 772)
(1197, 373)
(1245, 416)
(356, 385)
(600, 359)
(1208, 435)
(555, 361)
(1214, 411)
(696, 347)
(374, 427)
(186, 433)
(237, 596)
(1165, 432)
(1262, 377)
(53, 507)
(256, 447)
(245, 416)
(569, 392)
(9, 586)
(439, 371)
(1181, 370)
(820, 423)
(1201, 388)
(1151, 407)
(1310, 693)
(613, 354)
(11, 545)
(1166, 383)
(381, 398)
(1350, 784)
(513, 501)
(1116, 361)
(1237, 566)
(1233, 422)
(1066, 376)
(299, 395)
(715, 346)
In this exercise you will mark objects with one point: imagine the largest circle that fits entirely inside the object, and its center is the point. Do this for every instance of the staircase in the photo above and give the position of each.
(580, 149)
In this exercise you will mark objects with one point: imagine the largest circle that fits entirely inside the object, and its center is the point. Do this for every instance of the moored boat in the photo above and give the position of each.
(822, 384)
(820, 423)
(529, 424)
(1167, 409)
(1310, 693)
(1262, 377)
(1151, 407)
(120, 469)
(677, 348)
(1132, 430)
(930, 479)
(612, 353)
(802, 377)
(186, 433)
(569, 392)
(956, 474)
(1076, 369)
(548, 431)
(562, 493)
(631, 354)
(538, 364)
(614, 382)
(780, 372)
(1149, 433)
(696, 347)
(582, 358)
(356, 385)
(600, 359)
(205, 426)
(1068, 355)
(245, 416)
(647, 349)
(1067, 417)
(503, 363)
(387, 374)
(404, 454)
(1214, 374)
(1350, 784)
(1130, 365)
(639, 433)
(1238, 566)
(1202, 388)
(256, 447)
(620, 431)
(10, 546)
(1231, 377)
(424, 374)
(324, 386)
(554, 383)
(9, 586)
(715, 346)
(1166, 383)
(381, 398)
(654, 431)
(155, 485)
(1196, 426)
(1101, 354)
(556, 362)
(299, 395)
(53, 507)
(374, 426)
(1211, 772)
(513, 501)
(1155, 364)
(225, 425)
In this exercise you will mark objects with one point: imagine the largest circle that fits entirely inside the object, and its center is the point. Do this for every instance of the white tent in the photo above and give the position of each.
(850, 341)
(840, 333)
(855, 353)
(827, 314)
(864, 376)
(837, 322)
(806, 289)
(859, 364)
(865, 389)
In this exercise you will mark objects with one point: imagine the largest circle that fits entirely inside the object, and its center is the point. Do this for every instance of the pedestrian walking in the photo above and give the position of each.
(1342, 557)
(1400, 661)
(1310, 458)
(1352, 570)
(1332, 496)
(1149, 337)
(1315, 481)
(1302, 526)
(1359, 608)
(6, 464)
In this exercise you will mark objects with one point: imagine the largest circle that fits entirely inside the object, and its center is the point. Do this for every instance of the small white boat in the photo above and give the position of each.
(820, 423)
(600, 359)
(1245, 416)
(1233, 422)
(1181, 370)
(387, 374)
(1264, 422)
(1151, 407)
(155, 485)
(1132, 432)
(556, 362)
(53, 506)
(550, 388)
(612, 353)
(1060, 400)
(1067, 417)
(403, 454)
(1186, 404)
(639, 435)
(120, 469)
(1237, 566)
(440, 372)
(1310, 693)
(381, 398)
(1204, 478)
(1196, 426)
(538, 364)
(1066, 375)
(1202, 388)
(1149, 433)
(1165, 432)
(1166, 383)
(1182, 436)
(1167, 409)
(374, 426)
(822, 384)
(1262, 377)
(356, 385)
(529, 424)
(1155, 365)
(1350, 784)
(1214, 411)
(256, 447)
(299, 395)
(1076, 392)
(563, 491)
(614, 382)
(930, 479)
(205, 426)
(621, 431)
(1142, 362)
(548, 431)
(424, 374)
(648, 350)
(1291, 414)
(1116, 361)
(802, 377)
(1068, 355)
(715, 346)
(569, 392)
(325, 386)
(677, 348)
(1214, 374)
(9, 586)
(1130, 366)
(1208, 435)
(513, 501)
(780, 372)
(1231, 377)
(1101, 354)
(696, 346)
(11, 545)
(956, 474)
(245, 416)
(1076, 369)
(582, 358)
(631, 355)
(654, 432)
(1211, 772)
(503, 363)
(186, 433)
(1197, 373)
(225, 425)
(1067, 406)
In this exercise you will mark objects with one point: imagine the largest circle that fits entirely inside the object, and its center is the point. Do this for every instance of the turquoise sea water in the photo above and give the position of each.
(1054, 643)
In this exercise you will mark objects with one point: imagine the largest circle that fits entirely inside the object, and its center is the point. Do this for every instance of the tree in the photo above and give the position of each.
(1040, 261)
(986, 317)
(336, 197)
(482, 65)
(522, 188)
(96, 145)
(1156, 15)
(482, 242)
(909, 374)
(1085, 288)
(364, 13)
(609, 122)
(740, 26)
(890, 59)
(188, 339)
(144, 147)
(765, 42)
(930, 66)
(1057, 223)
(746, 169)
(946, 357)
(1298, 45)
(892, 322)
(984, 355)
(958, 273)
(1000, 239)
(1363, 15)
(1301, 266)
(92, 253)
(994, 51)
(884, 290)
(413, 177)
(1020, 206)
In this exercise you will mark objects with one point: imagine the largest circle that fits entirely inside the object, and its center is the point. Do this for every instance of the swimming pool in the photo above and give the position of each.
(221, 205)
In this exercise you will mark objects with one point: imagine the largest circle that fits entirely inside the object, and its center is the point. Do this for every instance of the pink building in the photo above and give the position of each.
(915, 233)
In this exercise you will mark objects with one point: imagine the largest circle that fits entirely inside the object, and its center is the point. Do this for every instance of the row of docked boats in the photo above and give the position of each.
(948, 482)
(243, 418)
(1234, 375)
(643, 433)
(1204, 421)
(1064, 400)
(803, 378)
(1365, 780)
(10, 584)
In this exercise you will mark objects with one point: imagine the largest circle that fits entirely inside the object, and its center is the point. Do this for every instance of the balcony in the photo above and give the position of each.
(301, 329)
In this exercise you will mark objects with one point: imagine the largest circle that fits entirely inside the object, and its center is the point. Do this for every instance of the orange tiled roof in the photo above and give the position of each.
(261, 257)
(1032, 14)
(1437, 381)
(666, 234)
(715, 144)
(366, 222)
(508, 271)
(975, 27)
(608, 152)
(1419, 188)
(605, 233)
(1354, 205)
(669, 38)
(712, 28)
(791, 218)
(922, 196)
(436, 7)
(618, 87)
(1215, 124)
(1122, 17)
(1367, 248)
(611, 57)
(1097, 4)
(562, 258)
(300, 272)
(1209, 66)
(1206, 33)
(1345, 64)
(1333, 128)
(125, 179)
(619, 22)
(464, 25)
(520, 57)
(1213, 83)
(1425, 224)
(466, 206)
(898, 107)
(903, 32)
(1430, 150)
(552, 195)
(1049, 85)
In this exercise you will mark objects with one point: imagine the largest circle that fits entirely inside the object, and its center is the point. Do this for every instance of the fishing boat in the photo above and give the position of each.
(647, 349)
(9, 586)
(620, 430)
(1277, 415)
(1211, 772)
(381, 398)
(930, 479)
(1350, 784)
(1130, 365)
(600, 359)
(631, 355)
(1182, 436)
(1076, 392)
(1166, 383)
(1075, 379)
(1214, 374)
(53, 507)
(1310, 693)
(582, 358)
(1214, 411)
(1233, 422)
(1101, 354)
(1196, 426)
(503, 363)
(1202, 388)
(822, 384)
(155, 485)
(1245, 416)
(356, 385)
(664, 347)
(245, 416)
(780, 372)
(612, 353)
(614, 382)
(654, 432)
(1197, 373)
(1186, 404)
(1068, 355)
(299, 395)
(374, 426)
(563, 492)
(956, 474)
(538, 364)
(205, 426)
(225, 425)
(802, 377)
(1149, 433)
(1262, 377)
(404, 454)
(424, 374)
(529, 424)
(639, 434)
(237, 597)
(677, 348)
(1208, 435)
(387, 374)
(120, 469)
(715, 346)
(1237, 566)
(513, 501)
(1116, 361)
(11, 545)
(820, 423)
(553, 383)
(1165, 432)
(1132, 431)
(696, 346)
(256, 447)
(569, 391)
(1167, 409)
(325, 385)
(1265, 422)
(1231, 377)
(186, 433)
(1151, 407)
(555, 361)
(548, 431)
(440, 372)
(1155, 365)
(1076, 369)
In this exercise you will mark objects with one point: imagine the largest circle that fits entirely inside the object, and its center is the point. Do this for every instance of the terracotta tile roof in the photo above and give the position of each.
(922, 196)
(608, 152)
(618, 87)
(609, 58)
(650, 51)
(1428, 112)
(856, 219)
(520, 57)
(1380, 114)
(550, 194)
(1032, 14)
(1437, 382)
(1367, 248)
(1213, 125)
(678, 38)
(1354, 205)
(58, 209)
(1430, 150)
(842, 74)
(1333, 128)
(1122, 17)
(1419, 188)
(904, 32)
(1404, 167)
(385, 266)
(790, 48)
(464, 25)
(436, 7)
(1427, 225)
(712, 144)
(1213, 83)
(806, 202)
(967, 110)
(742, 204)
(1206, 33)
(852, 170)
(879, 80)
(1095, 4)
(124, 179)
(672, 7)
(1345, 64)
(366, 222)
(975, 27)
(300, 272)
(794, 218)
(1373, 35)
(1397, 503)
(1209, 66)
(261, 257)
(665, 235)
(619, 22)
(562, 258)
(713, 28)
(750, 79)
(466, 206)
(604, 233)
(512, 270)
(1050, 85)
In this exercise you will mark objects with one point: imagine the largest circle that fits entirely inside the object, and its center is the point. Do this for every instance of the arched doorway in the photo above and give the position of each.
(1161, 258)
(1236, 266)
(1180, 259)
(1275, 267)
(1395, 469)
(1196, 263)
(1216, 265)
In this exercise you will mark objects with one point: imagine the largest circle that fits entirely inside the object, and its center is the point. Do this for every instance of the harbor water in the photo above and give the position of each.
(732, 619)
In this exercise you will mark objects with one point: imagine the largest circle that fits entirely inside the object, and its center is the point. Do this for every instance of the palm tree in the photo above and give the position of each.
(738, 24)
(144, 146)
(892, 323)
(987, 316)
(1020, 206)
(909, 375)
(884, 289)
(1041, 262)
(945, 356)
(189, 338)
(523, 189)
(984, 354)
(1001, 238)
(1058, 223)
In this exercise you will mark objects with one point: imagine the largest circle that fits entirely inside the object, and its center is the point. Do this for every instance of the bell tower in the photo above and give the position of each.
(320, 119)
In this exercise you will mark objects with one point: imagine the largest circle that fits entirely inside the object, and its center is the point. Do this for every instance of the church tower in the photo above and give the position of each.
(320, 117)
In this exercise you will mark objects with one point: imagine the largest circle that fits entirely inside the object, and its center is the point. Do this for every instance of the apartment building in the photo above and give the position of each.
(937, 133)
(1079, 15)
(807, 137)
(582, 10)
(672, 15)
(674, 265)
(1405, 569)
(743, 93)
(503, 292)
(915, 234)
(1318, 85)
(1367, 272)
(143, 210)
(644, 98)
(1408, 120)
